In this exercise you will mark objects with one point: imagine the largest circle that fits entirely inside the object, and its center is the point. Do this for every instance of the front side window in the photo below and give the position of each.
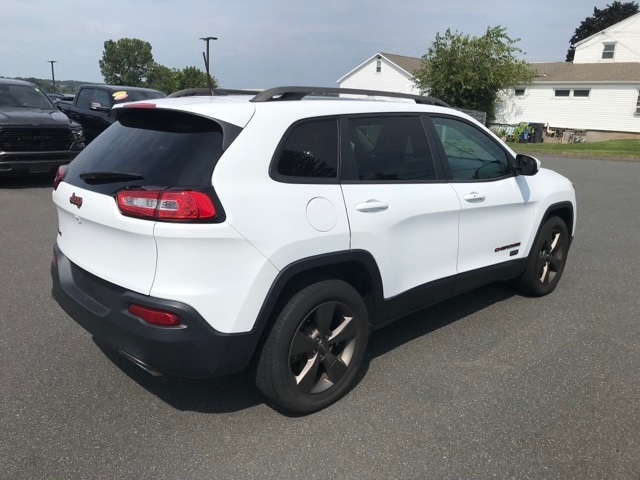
(638, 104)
(519, 92)
(581, 93)
(608, 50)
(562, 93)
(471, 153)
(310, 150)
(390, 148)
(85, 97)
(103, 98)
(378, 65)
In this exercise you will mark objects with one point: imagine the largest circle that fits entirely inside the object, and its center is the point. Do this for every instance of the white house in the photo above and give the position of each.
(384, 71)
(599, 92)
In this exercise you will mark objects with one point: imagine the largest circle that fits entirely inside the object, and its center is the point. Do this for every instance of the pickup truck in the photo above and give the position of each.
(35, 137)
(91, 107)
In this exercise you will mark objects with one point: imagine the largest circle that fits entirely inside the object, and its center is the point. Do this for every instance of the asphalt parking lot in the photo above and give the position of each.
(491, 384)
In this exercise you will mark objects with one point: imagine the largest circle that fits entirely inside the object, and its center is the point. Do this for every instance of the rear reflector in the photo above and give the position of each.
(153, 316)
(165, 204)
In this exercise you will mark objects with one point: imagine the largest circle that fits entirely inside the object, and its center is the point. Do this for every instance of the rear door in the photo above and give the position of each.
(400, 208)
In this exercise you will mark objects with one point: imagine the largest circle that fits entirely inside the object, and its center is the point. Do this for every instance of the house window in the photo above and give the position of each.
(581, 93)
(638, 104)
(608, 49)
(519, 92)
(378, 65)
(562, 93)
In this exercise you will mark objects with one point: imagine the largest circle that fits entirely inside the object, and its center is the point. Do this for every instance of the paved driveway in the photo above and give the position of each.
(488, 385)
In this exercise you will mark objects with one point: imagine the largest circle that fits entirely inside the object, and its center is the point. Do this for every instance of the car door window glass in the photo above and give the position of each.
(390, 148)
(472, 154)
(103, 98)
(310, 150)
(85, 97)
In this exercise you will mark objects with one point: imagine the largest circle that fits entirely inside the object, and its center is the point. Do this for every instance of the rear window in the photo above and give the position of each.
(165, 148)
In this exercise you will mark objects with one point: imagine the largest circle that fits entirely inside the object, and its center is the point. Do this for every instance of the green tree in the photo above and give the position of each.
(193, 77)
(163, 78)
(469, 72)
(126, 62)
(601, 19)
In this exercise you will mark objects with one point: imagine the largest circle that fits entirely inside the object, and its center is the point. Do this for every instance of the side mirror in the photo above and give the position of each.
(527, 165)
(98, 107)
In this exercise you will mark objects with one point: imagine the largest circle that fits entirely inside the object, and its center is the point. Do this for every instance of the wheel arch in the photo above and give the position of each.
(357, 268)
(565, 211)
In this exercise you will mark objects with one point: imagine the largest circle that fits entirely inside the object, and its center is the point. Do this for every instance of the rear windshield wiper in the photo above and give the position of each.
(93, 178)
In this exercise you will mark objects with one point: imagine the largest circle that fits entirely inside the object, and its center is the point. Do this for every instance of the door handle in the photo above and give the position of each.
(372, 206)
(474, 197)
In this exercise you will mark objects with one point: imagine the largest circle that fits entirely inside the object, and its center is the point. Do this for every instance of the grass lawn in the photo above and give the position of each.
(622, 149)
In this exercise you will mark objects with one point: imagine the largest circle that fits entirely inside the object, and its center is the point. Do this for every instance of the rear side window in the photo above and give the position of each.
(164, 148)
(390, 148)
(310, 150)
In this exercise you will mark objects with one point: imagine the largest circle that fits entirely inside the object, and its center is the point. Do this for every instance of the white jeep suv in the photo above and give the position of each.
(201, 235)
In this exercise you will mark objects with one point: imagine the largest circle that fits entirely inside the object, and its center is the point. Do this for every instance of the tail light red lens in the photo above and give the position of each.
(60, 174)
(166, 204)
(155, 317)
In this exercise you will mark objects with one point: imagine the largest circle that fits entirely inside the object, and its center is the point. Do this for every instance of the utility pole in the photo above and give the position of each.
(53, 75)
(206, 60)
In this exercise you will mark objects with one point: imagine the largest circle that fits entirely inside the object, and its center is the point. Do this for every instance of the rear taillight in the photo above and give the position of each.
(154, 316)
(166, 204)
(60, 174)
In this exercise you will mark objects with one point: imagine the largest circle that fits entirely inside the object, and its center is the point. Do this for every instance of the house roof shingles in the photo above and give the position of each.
(554, 71)
(587, 72)
(409, 64)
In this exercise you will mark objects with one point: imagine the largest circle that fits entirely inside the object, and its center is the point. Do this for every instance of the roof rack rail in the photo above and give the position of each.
(205, 92)
(298, 93)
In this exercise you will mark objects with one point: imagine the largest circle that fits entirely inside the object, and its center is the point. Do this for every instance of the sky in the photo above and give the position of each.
(263, 44)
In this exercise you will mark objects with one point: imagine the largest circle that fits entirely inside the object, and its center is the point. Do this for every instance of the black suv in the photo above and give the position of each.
(35, 137)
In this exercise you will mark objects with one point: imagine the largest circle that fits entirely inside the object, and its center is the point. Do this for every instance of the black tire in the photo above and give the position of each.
(315, 347)
(547, 259)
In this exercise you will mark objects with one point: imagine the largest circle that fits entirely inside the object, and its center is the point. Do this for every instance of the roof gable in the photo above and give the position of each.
(408, 65)
(615, 27)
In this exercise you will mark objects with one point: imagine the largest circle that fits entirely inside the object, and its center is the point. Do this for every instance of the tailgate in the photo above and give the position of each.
(94, 235)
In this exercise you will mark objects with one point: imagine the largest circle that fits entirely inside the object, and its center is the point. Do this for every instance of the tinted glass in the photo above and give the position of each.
(310, 150)
(390, 148)
(103, 98)
(471, 153)
(165, 148)
(24, 96)
(85, 97)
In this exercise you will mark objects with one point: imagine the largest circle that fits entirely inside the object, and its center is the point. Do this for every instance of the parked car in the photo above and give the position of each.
(199, 234)
(58, 97)
(91, 106)
(35, 137)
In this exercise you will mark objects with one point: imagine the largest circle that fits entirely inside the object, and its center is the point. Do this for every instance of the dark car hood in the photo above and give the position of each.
(32, 117)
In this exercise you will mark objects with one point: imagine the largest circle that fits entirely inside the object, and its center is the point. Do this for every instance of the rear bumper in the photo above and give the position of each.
(194, 349)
